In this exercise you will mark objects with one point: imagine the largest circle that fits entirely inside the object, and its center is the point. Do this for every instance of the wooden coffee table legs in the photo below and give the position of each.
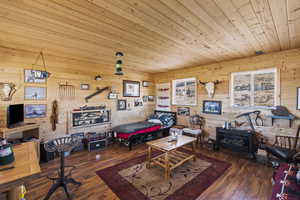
(149, 157)
(170, 159)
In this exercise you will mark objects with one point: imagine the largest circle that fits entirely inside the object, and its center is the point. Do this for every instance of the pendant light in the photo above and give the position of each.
(119, 64)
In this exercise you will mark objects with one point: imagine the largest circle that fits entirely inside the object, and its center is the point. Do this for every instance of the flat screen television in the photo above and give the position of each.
(15, 115)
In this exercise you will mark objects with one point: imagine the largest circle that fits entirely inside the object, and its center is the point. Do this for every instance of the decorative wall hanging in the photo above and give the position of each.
(37, 76)
(54, 115)
(35, 93)
(184, 92)
(96, 93)
(254, 88)
(87, 118)
(210, 87)
(84, 86)
(183, 111)
(146, 83)
(212, 107)
(121, 104)
(119, 63)
(163, 97)
(30, 76)
(66, 91)
(7, 90)
(131, 88)
(298, 98)
(35, 110)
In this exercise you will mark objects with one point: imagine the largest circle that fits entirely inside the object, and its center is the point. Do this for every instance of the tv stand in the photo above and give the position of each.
(28, 129)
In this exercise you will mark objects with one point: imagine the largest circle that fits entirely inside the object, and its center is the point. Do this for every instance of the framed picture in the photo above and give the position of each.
(35, 93)
(183, 111)
(112, 95)
(150, 98)
(84, 86)
(131, 88)
(212, 107)
(138, 102)
(145, 98)
(35, 111)
(30, 76)
(146, 83)
(121, 104)
(257, 88)
(184, 92)
(298, 98)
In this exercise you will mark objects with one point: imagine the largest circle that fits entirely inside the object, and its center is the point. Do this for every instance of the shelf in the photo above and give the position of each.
(4, 132)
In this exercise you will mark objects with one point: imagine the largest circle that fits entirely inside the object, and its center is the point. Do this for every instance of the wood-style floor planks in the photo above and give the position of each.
(245, 180)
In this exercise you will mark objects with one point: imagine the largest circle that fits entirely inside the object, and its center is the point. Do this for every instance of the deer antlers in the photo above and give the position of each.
(215, 82)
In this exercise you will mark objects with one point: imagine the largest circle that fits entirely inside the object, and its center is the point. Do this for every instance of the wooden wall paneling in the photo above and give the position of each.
(13, 71)
(286, 61)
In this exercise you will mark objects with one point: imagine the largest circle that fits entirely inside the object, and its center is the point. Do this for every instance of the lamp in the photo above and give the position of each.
(98, 78)
(119, 64)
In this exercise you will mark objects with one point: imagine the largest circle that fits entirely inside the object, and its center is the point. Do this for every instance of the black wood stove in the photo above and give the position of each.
(237, 140)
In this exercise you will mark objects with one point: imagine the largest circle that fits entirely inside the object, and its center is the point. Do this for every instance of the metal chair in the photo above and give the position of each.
(62, 145)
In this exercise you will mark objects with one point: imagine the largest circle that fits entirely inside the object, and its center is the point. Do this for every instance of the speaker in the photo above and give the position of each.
(44, 155)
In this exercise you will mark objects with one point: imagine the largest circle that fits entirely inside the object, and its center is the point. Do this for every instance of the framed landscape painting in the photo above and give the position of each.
(212, 107)
(35, 93)
(35, 111)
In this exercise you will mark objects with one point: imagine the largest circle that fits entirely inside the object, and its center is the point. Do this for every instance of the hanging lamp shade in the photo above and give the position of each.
(119, 64)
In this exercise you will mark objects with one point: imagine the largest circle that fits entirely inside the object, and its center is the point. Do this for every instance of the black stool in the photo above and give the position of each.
(62, 145)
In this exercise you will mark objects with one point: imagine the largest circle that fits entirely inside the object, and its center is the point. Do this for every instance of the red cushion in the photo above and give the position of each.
(147, 130)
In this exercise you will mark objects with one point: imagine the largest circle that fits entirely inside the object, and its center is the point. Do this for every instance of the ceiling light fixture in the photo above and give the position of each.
(119, 64)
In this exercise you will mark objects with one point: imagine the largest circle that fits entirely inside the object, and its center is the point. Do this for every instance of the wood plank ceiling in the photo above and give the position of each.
(155, 35)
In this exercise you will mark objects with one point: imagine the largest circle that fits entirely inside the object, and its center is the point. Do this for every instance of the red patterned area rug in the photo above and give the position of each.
(131, 180)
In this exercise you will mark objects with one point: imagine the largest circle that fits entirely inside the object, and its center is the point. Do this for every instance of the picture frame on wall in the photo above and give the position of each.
(183, 111)
(298, 98)
(146, 83)
(145, 98)
(150, 98)
(121, 104)
(212, 107)
(84, 86)
(30, 76)
(112, 95)
(35, 111)
(256, 88)
(131, 88)
(35, 93)
(184, 92)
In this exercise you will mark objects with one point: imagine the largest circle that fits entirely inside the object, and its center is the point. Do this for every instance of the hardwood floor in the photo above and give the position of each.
(245, 180)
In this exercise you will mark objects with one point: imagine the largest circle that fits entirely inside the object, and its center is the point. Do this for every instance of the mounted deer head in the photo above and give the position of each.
(210, 87)
(6, 91)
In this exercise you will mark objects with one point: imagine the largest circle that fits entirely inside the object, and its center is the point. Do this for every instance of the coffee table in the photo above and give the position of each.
(171, 158)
